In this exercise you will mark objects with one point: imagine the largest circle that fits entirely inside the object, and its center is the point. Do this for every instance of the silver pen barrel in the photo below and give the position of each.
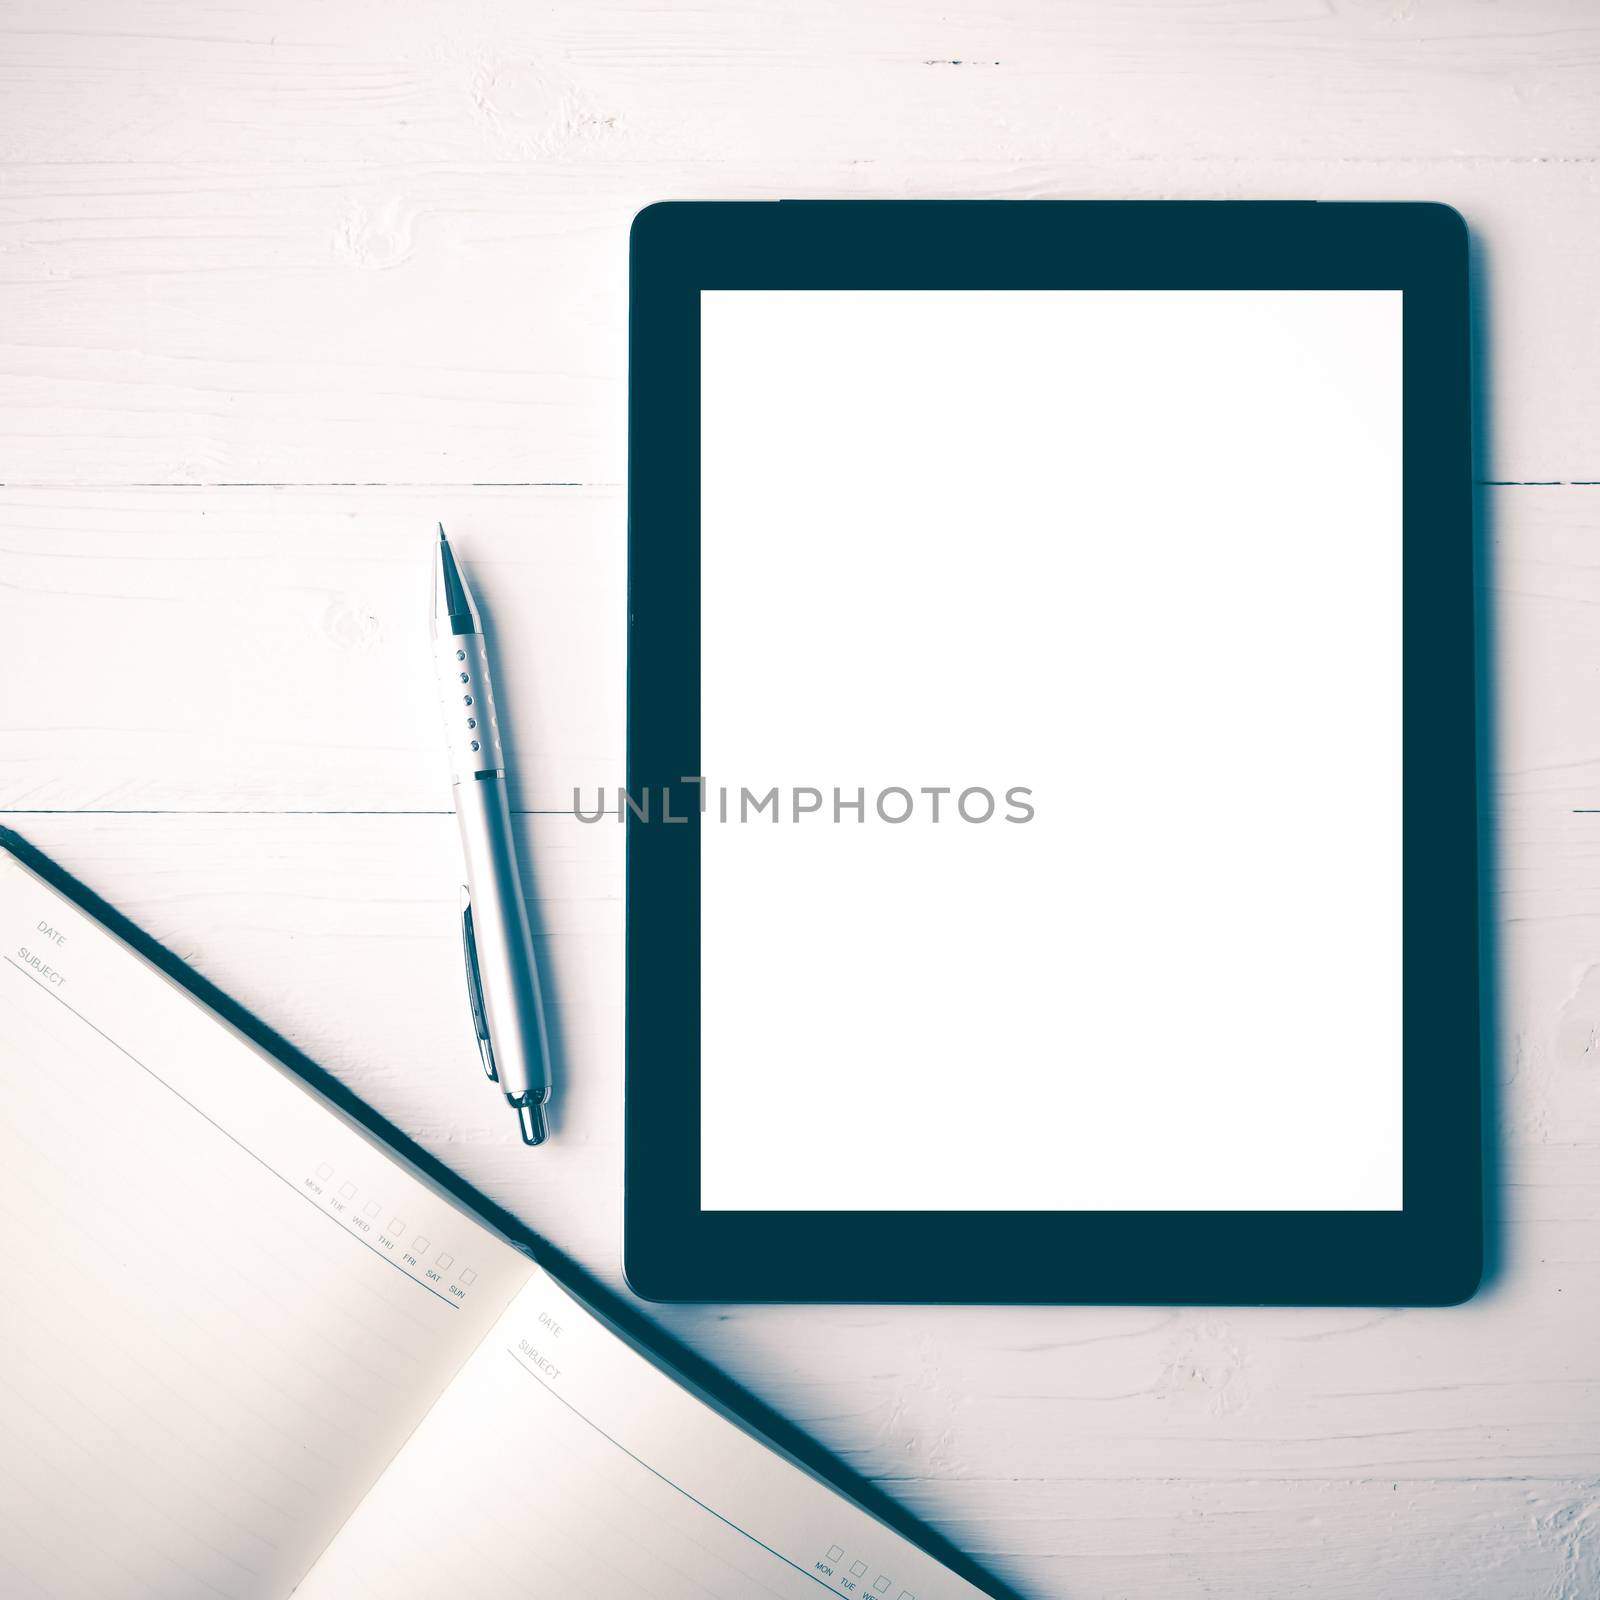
(499, 941)
(513, 1003)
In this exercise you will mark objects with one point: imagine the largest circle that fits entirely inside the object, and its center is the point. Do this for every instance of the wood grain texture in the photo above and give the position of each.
(643, 80)
(330, 324)
(268, 649)
(282, 283)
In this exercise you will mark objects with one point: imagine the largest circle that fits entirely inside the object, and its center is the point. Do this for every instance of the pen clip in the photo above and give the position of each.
(480, 1023)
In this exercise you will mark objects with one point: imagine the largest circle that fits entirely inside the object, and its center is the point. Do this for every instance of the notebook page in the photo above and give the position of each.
(225, 1307)
(562, 1462)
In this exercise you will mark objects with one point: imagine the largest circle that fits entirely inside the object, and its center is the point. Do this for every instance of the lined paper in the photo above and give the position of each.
(225, 1308)
(561, 1461)
(252, 1354)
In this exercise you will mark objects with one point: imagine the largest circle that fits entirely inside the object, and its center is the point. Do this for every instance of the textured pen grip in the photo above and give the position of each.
(470, 725)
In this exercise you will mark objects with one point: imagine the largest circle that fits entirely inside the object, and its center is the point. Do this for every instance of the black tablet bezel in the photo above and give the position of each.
(1430, 1252)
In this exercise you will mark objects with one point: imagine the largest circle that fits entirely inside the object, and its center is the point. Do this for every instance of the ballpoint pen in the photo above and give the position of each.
(502, 979)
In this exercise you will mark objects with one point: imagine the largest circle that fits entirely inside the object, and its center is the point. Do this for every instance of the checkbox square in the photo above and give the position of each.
(420, 1245)
(372, 1208)
(835, 1552)
(857, 1568)
(347, 1189)
(881, 1585)
(325, 1171)
(396, 1226)
(445, 1258)
(467, 1276)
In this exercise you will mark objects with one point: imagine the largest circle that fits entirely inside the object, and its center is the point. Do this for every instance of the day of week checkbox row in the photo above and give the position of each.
(858, 1569)
(421, 1245)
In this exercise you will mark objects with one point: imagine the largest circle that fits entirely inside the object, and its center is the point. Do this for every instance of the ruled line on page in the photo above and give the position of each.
(289, 1183)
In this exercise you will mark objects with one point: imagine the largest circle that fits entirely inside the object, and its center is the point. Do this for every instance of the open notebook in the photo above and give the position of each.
(249, 1351)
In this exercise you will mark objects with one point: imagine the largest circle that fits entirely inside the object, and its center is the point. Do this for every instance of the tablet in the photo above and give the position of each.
(1052, 780)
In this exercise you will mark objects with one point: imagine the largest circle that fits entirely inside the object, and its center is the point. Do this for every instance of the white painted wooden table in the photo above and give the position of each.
(283, 283)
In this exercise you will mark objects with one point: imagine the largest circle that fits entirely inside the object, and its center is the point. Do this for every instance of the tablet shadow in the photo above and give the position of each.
(1489, 977)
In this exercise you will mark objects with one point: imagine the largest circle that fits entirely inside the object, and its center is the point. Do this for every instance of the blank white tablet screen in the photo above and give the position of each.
(1138, 554)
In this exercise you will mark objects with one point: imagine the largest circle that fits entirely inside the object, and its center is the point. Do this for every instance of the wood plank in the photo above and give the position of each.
(832, 82)
(421, 322)
(268, 649)
(261, 649)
